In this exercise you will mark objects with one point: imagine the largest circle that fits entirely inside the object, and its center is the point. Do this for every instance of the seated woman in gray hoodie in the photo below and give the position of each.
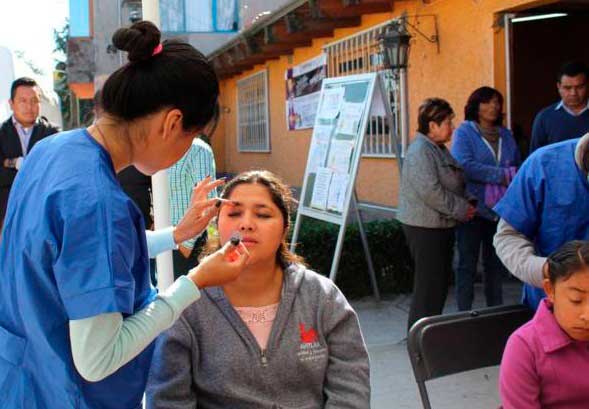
(280, 336)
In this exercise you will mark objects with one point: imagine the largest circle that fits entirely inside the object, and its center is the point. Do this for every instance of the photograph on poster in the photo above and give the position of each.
(303, 88)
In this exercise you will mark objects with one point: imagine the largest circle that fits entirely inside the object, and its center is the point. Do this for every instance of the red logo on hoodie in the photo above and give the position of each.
(307, 336)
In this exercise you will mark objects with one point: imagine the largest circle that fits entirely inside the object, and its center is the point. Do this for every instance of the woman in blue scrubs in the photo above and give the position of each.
(77, 312)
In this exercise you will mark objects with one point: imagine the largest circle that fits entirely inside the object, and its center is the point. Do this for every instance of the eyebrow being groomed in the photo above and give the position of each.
(578, 290)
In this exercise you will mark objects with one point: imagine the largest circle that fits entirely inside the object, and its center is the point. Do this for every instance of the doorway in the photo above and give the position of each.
(540, 40)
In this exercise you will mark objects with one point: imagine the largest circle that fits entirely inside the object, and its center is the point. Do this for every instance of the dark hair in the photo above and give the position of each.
(21, 82)
(281, 197)
(97, 108)
(572, 69)
(178, 76)
(480, 96)
(97, 100)
(433, 110)
(573, 256)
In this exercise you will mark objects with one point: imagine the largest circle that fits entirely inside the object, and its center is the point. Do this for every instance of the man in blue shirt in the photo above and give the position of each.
(546, 205)
(568, 118)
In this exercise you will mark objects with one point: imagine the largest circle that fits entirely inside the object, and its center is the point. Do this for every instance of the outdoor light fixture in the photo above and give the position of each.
(538, 17)
(394, 41)
(394, 45)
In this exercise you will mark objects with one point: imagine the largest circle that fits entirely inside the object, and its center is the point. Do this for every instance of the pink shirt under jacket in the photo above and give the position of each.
(542, 367)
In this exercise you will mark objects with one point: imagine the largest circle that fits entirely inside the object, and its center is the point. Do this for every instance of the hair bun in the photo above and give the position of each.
(139, 40)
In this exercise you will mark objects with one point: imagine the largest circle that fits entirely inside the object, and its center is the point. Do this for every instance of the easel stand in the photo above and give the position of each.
(340, 245)
(329, 192)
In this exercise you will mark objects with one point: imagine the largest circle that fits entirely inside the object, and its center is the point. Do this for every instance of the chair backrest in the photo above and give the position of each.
(452, 343)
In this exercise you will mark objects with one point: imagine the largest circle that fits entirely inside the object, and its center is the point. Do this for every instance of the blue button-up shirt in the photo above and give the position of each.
(548, 202)
(24, 135)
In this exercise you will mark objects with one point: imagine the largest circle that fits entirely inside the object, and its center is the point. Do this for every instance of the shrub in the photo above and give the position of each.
(390, 255)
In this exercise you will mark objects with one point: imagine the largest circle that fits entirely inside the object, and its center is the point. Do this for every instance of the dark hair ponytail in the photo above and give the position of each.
(178, 76)
(570, 258)
(139, 40)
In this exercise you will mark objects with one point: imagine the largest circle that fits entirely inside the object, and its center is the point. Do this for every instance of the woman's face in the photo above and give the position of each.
(256, 218)
(570, 299)
(490, 111)
(441, 133)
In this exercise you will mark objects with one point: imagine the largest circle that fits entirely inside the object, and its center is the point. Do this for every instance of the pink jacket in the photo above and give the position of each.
(542, 367)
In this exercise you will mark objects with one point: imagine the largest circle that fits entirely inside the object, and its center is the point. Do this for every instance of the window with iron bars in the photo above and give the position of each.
(358, 54)
(253, 134)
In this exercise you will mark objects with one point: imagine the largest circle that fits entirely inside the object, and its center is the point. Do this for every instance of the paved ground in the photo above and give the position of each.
(393, 385)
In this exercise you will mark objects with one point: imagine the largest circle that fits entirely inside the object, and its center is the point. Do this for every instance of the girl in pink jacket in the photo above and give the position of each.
(546, 361)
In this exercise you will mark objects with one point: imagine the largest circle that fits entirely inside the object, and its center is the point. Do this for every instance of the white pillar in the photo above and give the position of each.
(404, 108)
(508, 63)
(159, 181)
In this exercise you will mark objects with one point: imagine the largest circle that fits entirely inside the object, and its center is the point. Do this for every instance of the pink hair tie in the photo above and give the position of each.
(158, 49)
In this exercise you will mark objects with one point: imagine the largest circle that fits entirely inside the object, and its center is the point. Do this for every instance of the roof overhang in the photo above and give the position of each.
(292, 26)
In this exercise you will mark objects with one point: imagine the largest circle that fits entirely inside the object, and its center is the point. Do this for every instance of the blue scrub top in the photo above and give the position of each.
(73, 247)
(548, 201)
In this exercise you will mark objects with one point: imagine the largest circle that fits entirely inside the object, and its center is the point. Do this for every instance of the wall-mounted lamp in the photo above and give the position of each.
(394, 46)
(394, 42)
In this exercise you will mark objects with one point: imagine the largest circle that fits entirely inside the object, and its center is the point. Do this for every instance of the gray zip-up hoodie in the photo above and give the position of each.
(315, 357)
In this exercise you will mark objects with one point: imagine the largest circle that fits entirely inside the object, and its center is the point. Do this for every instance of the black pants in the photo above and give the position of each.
(183, 265)
(432, 251)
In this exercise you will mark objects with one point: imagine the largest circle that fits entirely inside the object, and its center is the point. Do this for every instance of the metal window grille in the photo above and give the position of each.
(358, 54)
(253, 134)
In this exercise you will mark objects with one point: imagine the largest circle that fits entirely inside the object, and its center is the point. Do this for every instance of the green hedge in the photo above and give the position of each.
(390, 255)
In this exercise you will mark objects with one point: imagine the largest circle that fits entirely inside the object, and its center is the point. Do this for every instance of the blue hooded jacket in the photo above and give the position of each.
(480, 164)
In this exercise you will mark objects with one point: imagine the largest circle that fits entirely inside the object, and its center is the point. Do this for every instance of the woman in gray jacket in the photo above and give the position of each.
(432, 201)
(281, 337)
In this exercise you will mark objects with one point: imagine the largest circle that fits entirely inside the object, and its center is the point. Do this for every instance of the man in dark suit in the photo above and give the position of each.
(19, 133)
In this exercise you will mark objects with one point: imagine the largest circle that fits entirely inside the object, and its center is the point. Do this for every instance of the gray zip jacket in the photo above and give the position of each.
(433, 192)
(315, 357)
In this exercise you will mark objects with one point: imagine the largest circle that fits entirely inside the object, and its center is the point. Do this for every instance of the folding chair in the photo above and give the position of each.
(448, 344)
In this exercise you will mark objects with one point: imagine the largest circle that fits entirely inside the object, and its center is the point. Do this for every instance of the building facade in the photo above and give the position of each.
(456, 47)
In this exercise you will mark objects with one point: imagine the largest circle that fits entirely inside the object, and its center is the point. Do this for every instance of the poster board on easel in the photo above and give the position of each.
(328, 192)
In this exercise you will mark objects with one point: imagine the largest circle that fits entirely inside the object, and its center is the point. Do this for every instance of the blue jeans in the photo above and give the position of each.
(470, 237)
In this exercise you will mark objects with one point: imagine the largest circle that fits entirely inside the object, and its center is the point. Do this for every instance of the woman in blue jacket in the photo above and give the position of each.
(488, 153)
